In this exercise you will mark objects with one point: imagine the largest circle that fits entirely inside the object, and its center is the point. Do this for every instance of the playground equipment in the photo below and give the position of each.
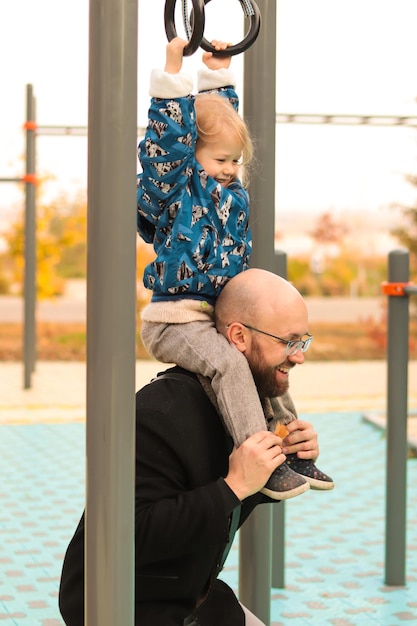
(30, 178)
(111, 308)
(29, 287)
(194, 27)
(194, 32)
(409, 121)
(32, 131)
(397, 289)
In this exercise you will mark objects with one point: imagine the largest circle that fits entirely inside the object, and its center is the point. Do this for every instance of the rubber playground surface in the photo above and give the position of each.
(334, 553)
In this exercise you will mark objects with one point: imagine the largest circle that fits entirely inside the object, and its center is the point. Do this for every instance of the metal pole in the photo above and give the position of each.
(281, 263)
(278, 545)
(259, 111)
(29, 286)
(255, 563)
(278, 511)
(111, 299)
(397, 392)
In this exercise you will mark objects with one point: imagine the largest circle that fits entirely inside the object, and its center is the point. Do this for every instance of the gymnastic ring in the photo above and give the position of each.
(250, 37)
(197, 22)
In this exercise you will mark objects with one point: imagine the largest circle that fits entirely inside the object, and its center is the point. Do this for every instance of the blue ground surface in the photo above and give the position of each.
(334, 541)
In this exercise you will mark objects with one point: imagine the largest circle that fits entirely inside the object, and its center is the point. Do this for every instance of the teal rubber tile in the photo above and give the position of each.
(41, 498)
(334, 541)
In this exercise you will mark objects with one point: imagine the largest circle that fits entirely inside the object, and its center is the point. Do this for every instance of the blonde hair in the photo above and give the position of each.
(213, 114)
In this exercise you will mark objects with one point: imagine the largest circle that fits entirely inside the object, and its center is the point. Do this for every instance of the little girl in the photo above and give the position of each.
(194, 209)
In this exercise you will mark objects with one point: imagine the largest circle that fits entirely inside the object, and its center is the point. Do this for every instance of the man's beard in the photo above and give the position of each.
(265, 375)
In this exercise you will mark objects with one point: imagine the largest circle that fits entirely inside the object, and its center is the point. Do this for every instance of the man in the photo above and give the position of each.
(192, 489)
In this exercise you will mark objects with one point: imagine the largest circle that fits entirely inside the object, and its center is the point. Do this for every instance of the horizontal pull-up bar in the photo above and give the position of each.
(31, 179)
(346, 120)
(74, 131)
(280, 118)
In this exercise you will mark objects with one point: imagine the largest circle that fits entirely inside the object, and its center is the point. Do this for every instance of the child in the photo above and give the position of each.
(194, 209)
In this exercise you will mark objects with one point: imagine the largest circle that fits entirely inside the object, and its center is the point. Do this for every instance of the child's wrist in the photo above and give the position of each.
(172, 68)
(215, 79)
(163, 84)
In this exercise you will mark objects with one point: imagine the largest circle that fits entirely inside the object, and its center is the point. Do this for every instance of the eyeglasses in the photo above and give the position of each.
(292, 347)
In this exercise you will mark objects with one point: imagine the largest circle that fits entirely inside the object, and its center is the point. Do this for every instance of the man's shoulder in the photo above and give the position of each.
(177, 373)
(174, 374)
(175, 406)
(172, 386)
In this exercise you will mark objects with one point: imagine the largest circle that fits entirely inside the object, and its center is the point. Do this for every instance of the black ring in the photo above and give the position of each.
(250, 37)
(197, 23)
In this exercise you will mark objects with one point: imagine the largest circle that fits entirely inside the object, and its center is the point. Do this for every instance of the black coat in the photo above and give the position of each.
(182, 512)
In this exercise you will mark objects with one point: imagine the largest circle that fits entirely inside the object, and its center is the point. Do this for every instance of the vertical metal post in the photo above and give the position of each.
(281, 263)
(259, 111)
(111, 296)
(278, 545)
(29, 286)
(255, 563)
(397, 409)
(278, 511)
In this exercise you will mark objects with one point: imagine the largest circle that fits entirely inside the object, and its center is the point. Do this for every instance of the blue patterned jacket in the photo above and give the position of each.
(198, 228)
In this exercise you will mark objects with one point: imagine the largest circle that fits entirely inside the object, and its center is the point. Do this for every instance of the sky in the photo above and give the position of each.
(333, 56)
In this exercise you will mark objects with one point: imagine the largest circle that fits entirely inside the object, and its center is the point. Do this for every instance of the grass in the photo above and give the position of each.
(365, 340)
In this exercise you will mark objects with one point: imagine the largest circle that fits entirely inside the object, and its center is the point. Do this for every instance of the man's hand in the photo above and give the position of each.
(302, 440)
(174, 55)
(251, 465)
(214, 62)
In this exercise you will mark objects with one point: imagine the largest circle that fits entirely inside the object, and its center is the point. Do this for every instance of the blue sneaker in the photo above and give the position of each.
(284, 483)
(305, 467)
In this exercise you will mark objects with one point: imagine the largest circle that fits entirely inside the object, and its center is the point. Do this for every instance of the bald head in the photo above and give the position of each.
(256, 297)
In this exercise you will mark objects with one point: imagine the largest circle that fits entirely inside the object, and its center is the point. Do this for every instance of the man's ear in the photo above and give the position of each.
(238, 336)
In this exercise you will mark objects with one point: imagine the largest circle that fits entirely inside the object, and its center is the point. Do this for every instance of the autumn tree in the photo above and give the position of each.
(60, 245)
(61, 248)
(327, 230)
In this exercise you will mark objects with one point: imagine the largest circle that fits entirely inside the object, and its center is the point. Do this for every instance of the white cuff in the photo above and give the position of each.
(213, 79)
(165, 85)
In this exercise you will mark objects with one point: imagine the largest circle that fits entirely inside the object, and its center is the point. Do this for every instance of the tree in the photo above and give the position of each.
(327, 230)
(60, 243)
(61, 249)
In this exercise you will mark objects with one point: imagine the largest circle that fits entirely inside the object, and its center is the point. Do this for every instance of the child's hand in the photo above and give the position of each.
(302, 440)
(214, 62)
(174, 55)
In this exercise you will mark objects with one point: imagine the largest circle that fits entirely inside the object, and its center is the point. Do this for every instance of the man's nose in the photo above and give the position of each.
(298, 357)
